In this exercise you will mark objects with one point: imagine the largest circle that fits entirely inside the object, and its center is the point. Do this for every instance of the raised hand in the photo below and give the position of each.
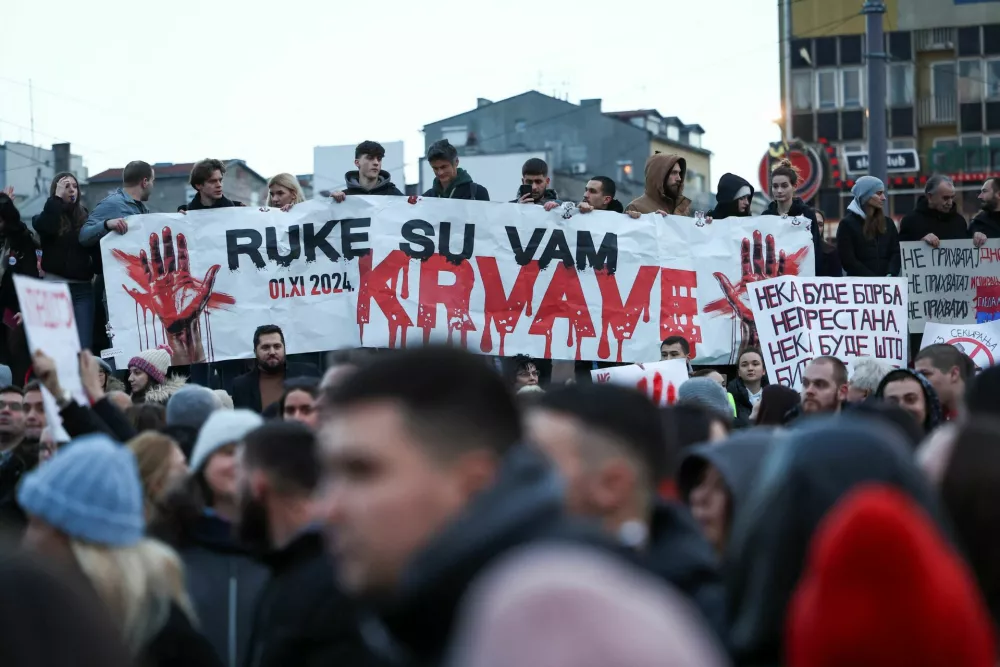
(761, 265)
(175, 296)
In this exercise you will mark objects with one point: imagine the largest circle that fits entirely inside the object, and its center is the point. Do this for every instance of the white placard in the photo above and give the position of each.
(659, 380)
(978, 341)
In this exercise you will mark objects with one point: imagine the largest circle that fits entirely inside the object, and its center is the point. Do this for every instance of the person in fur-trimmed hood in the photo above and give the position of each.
(147, 376)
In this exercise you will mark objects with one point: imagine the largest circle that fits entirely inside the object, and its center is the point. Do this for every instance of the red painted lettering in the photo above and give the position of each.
(455, 297)
(380, 283)
(623, 318)
(679, 306)
(563, 300)
(501, 310)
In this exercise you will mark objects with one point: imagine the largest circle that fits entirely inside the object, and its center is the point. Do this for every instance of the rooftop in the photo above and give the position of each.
(163, 170)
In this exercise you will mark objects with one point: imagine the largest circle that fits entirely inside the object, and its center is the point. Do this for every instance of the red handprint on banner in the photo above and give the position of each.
(173, 295)
(764, 263)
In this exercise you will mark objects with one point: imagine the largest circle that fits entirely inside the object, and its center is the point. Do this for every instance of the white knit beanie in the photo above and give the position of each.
(224, 427)
(154, 363)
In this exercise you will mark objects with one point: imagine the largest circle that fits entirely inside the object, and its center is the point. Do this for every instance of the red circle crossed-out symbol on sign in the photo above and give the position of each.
(973, 348)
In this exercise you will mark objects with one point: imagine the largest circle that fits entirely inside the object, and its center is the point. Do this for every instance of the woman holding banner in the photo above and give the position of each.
(784, 181)
(284, 192)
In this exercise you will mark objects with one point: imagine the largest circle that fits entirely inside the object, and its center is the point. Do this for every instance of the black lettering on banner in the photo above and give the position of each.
(937, 309)
(418, 243)
(313, 241)
(914, 258)
(556, 248)
(606, 258)
(294, 251)
(244, 242)
(468, 243)
(913, 312)
(946, 282)
(914, 284)
(888, 347)
(348, 237)
(523, 255)
(790, 376)
(315, 282)
(955, 257)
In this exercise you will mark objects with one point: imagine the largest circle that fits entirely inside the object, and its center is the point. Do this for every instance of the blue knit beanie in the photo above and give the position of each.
(90, 490)
(191, 406)
(865, 189)
(707, 393)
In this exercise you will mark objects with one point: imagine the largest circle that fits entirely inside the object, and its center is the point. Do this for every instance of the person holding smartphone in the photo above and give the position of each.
(535, 185)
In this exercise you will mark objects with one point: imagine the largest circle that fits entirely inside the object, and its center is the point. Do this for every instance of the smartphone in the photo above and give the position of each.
(525, 189)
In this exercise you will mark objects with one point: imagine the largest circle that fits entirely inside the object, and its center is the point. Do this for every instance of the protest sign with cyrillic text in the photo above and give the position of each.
(978, 341)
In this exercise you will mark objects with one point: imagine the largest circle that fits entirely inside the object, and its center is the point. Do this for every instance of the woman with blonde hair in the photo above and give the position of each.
(284, 192)
(85, 510)
(161, 466)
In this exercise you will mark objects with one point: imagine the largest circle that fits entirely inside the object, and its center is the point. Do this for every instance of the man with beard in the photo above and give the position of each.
(34, 412)
(936, 217)
(17, 455)
(986, 225)
(664, 187)
(265, 384)
(607, 442)
(824, 385)
(302, 616)
(426, 487)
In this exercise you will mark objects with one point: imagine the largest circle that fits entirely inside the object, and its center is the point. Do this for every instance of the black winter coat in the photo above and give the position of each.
(246, 388)
(987, 223)
(22, 250)
(303, 618)
(62, 253)
(383, 187)
(741, 395)
(726, 205)
(924, 220)
(178, 644)
(864, 257)
(462, 187)
(196, 205)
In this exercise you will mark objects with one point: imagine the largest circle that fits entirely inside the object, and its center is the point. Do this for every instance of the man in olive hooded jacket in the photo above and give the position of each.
(664, 187)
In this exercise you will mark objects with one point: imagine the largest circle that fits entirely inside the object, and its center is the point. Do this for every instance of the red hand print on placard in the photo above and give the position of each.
(660, 395)
(765, 264)
(174, 297)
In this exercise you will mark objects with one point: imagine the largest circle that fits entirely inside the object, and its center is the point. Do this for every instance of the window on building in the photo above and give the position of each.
(520, 125)
(653, 124)
(968, 41)
(899, 87)
(802, 91)
(943, 81)
(901, 45)
(828, 125)
(673, 133)
(970, 80)
(939, 156)
(850, 50)
(694, 182)
(826, 89)
(993, 79)
(851, 88)
(973, 155)
(694, 138)
(826, 51)
(902, 144)
(457, 135)
(797, 48)
(991, 39)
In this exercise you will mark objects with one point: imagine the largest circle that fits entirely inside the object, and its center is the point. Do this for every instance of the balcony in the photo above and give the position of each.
(933, 111)
(935, 39)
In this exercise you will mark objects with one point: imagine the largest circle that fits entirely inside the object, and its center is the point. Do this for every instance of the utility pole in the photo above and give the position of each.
(874, 10)
(786, 57)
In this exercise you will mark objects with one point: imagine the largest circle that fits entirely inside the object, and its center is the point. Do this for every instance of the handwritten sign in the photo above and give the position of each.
(802, 318)
(978, 341)
(955, 283)
(659, 380)
(50, 324)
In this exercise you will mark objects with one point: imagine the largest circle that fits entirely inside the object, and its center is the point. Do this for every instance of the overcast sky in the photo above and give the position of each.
(266, 82)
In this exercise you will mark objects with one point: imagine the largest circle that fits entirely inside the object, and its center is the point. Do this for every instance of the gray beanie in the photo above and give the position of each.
(707, 393)
(192, 406)
(224, 427)
(6, 377)
(865, 189)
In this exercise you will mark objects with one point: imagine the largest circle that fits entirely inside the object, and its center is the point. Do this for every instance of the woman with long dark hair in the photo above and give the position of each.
(784, 181)
(64, 259)
(867, 243)
(17, 255)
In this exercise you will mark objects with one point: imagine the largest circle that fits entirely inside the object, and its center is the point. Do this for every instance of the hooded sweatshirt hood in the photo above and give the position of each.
(737, 459)
(731, 189)
(809, 468)
(526, 504)
(461, 178)
(934, 413)
(656, 198)
(383, 187)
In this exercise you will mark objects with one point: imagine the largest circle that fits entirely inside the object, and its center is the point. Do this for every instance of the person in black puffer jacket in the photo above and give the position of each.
(733, 199)
(936, 217)
(868, 244)
(18, 255)
(64, 259)
(784, 180)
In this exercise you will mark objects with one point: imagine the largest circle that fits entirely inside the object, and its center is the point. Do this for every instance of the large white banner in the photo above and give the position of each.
(500, 279)
(955, 283)
(846, 318)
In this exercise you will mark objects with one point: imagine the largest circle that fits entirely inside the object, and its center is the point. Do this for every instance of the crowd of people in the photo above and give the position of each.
(433, 507)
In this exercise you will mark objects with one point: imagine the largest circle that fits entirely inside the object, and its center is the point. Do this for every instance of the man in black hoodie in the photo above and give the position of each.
(451, 182)
(206, 179)
(302, 617)
(425, 488)
(369, 179)
(986, 224)
(733, 198)
(608, 442)
(936, 217)
(915, 394)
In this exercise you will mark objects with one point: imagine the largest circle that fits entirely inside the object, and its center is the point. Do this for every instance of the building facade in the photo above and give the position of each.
(580, 140)
(173, 189)
(942, 97)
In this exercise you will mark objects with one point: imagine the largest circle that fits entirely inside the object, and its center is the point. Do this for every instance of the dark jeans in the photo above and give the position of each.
(83, 307)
